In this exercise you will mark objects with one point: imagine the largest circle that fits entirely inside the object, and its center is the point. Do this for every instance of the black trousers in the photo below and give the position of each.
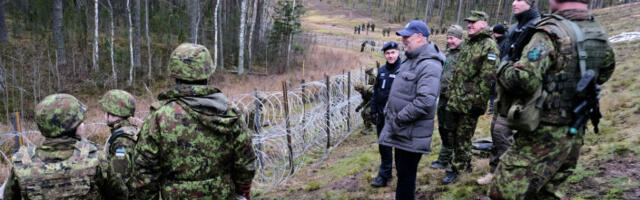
(406, 168)
(386, 152)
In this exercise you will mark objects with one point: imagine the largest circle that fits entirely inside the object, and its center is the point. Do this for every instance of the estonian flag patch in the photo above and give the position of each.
(492, 56)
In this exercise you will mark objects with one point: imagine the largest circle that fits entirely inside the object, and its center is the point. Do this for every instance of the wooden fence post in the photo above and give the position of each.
(349, 102)
(17, 127)
(328, 114)
(257, 123)
(285, 96)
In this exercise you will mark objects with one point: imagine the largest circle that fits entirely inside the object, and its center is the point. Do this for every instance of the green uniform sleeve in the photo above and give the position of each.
(109, 183)
(12, 189)
(244, 167)
(610, 65)
(525, 76)
(488, 68)
(147, 161)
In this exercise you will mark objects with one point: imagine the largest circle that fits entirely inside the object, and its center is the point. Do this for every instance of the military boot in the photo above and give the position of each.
(451, 177)
(437, 164)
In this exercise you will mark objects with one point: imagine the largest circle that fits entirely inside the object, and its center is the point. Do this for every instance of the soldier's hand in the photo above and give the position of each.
(358, 109)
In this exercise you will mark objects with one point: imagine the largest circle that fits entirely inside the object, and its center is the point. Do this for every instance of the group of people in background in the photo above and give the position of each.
(528, 73)
(364, 27)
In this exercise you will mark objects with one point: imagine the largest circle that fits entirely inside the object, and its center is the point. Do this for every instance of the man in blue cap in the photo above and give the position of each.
(381, 89)
(411, 106)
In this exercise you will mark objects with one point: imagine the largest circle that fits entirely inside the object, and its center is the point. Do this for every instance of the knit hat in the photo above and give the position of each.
(456, 31)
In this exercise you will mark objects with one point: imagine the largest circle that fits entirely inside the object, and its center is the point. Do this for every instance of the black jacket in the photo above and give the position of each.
(382, 86)
(515, 36)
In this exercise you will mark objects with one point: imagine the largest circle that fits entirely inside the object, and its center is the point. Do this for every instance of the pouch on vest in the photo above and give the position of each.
(524, 113)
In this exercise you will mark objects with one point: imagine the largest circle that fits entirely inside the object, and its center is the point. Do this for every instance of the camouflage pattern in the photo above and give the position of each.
(119, 103)
(63, 168)
(475, 72)
(444, 116)
(194, 146)
(477, 16)
(468, 92)
(371, 75)
(539, 162)
(58, 114)
(366, 91)
(120, 146)
(191, 62)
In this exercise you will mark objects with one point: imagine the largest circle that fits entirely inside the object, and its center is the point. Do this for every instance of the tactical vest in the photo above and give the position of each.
(61, 180)
(580, 46)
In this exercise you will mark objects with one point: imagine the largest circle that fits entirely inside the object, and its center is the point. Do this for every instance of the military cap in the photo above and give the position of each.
(477, 16)
(389, 45)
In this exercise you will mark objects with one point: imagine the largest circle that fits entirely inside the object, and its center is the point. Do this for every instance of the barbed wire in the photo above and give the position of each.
(319, 120)
(625, 36)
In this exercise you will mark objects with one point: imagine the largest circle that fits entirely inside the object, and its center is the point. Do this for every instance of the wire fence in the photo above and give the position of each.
(291, 128)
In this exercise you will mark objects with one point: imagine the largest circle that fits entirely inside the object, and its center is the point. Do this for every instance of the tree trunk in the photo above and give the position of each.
(293, 11)
(215, 34)
(193, 7)
(146, 32)
(137, 36)
(253, 27)
(57, 33)
(243, 17)
(4, 36)
(95, 37)
(460, 2)
(441, 13)
(497, 15)
(113, 65)
(386, 9)
(130, 44)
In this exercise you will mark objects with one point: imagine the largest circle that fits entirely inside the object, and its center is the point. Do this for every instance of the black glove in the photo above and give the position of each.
(358, 109)
(477, 111)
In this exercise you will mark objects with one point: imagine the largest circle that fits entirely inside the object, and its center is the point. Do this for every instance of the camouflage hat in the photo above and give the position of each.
(119, 103)
(369, 71)
(191, 62)
(477, 16)
(58, 114)
(456, 31)
(359, 87)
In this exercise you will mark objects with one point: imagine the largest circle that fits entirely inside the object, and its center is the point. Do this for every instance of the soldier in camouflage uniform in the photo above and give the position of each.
(64, 167)
(119, 106)
(455, 40)
(366, 91)
(195, 145)
(469, 90)
(371, 75)
(547, 73)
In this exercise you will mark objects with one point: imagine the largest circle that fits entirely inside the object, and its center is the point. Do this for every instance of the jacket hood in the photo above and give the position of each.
(207, 103)
(427, 51)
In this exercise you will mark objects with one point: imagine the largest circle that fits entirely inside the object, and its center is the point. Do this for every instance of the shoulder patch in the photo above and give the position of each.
(120, 152)
(492, 56)
(534, 54)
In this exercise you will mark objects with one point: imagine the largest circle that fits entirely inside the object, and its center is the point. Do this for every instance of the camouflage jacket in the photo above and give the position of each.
(63, 168)
(546, 55)
(120, 146)
(449, 67)
(367, 94)
(195, 146)
(474, 74)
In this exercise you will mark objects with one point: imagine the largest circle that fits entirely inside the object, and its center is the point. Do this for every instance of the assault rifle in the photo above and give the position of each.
(515, 50)
(589, 108)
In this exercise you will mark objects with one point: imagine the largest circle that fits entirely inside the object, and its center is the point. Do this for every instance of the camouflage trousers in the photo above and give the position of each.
(444, 128)
(502, 138)
(537, 165)
(367, 118)
(463, 127)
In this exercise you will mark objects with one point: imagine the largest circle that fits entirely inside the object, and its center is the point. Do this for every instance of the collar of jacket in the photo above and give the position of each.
(119, 124)
(575, 14)
(184, 90)
(391, 67)
(527, 16)
(416, 52)
(484, 33)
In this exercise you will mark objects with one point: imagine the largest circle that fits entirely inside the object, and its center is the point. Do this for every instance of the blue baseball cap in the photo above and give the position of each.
(389, 45)
(413, 27)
